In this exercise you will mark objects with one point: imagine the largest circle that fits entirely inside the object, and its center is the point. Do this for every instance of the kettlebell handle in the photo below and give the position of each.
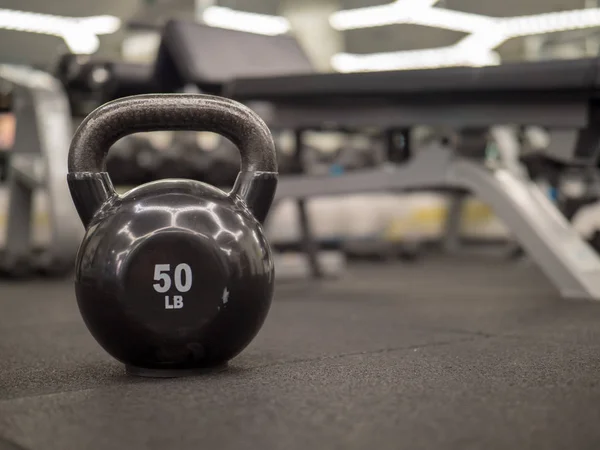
(255, 184)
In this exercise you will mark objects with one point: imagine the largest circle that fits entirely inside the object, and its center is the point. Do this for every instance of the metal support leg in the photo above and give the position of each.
(568, 261)
(547, 237)
(397, 142)
(309, 244)
(451, 242)
(16, 258)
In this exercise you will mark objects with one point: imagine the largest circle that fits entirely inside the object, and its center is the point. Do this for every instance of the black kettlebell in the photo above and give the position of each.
(175, 275)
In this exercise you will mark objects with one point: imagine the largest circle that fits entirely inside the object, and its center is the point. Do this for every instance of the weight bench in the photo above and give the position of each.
(557, 94)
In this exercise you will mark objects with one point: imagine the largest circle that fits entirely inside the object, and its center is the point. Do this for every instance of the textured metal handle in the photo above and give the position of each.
(256, 182)
(157, 112)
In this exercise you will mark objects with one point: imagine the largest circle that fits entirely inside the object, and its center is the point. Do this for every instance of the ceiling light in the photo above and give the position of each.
(551, 22)
(368, 17)
(486, 34)
(81, 42)
(482, 41)
(413, 59)
(453, 20)
(423, 12)
(80, 34)
(217, 16)
(101, 24)
(374, 16)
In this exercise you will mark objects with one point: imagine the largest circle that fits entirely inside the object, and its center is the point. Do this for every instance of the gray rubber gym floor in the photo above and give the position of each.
(466, 353)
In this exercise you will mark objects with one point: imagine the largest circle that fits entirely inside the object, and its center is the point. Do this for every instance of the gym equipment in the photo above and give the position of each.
(182, 159)
(397, 143)
(174, 275)
(355, 225)
(285, 162)
(133, 160)
(358, 152)
(223, 164)
(91, 81)
(553, 94)
(36, 164)
(185, 158)
(571, 186)
(350, 158)
(7, 131)
(469, 143)
(317, 162)
(215, 56)
(362, 151)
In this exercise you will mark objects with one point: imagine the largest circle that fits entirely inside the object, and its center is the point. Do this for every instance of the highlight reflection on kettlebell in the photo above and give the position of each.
(174, 274)
(174, 212)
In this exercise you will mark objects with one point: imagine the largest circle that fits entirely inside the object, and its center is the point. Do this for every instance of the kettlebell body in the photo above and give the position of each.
(175, 274)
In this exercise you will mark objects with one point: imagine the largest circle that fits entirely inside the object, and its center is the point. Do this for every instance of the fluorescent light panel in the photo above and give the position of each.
(453, 20)
(551, 22)
(486, 34)
(79, 33)
(413, 59)
(400, 11)
(218, 16)
(422, 12)
(372, 16)
(100, 25)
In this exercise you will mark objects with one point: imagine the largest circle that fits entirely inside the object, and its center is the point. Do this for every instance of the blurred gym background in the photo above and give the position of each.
(88, 45)
(406, 313)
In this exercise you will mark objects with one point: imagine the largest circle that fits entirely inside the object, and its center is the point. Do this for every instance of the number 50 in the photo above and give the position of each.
(182, 283)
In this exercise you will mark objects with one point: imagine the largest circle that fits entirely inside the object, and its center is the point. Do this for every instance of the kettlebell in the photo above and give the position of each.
(175, 275)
